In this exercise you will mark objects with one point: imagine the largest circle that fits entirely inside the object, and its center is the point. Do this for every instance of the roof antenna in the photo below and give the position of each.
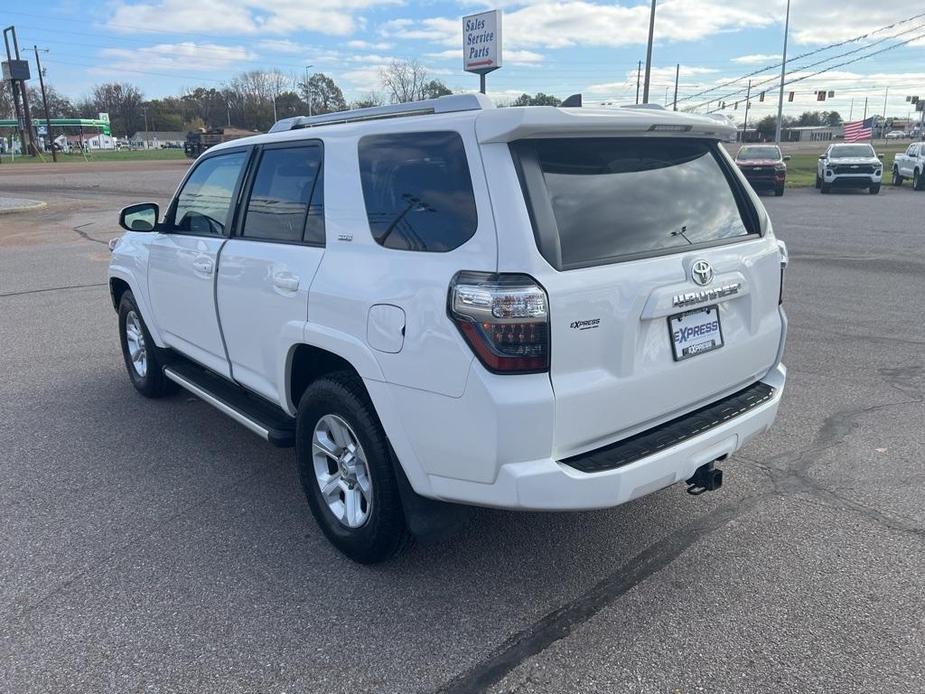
(574, 101)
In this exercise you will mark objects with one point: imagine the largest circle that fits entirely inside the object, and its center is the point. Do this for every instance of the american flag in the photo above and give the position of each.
(858, 130)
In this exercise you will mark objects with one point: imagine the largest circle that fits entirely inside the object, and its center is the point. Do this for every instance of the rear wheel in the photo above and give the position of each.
(874, 189)
(897, 179)
(139, 352)
(346, 470)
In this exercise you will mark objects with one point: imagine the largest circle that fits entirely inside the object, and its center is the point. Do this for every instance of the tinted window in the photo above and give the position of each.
(204, 204)
(417, 190)
(753, 153)
(283, 187)
(599, 200)
(845, 151)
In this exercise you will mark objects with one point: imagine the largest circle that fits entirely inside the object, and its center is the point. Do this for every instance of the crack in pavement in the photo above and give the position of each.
(54, 289)
(87, 236)
(786, 480)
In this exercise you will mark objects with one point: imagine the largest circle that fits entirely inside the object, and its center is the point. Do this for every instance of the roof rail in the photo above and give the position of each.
(656, 107)
(443, 104)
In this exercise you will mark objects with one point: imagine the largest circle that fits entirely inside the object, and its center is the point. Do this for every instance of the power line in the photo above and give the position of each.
(808, 54)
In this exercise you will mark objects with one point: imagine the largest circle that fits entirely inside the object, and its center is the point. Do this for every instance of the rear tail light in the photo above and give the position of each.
(784, 260)
(504, 318)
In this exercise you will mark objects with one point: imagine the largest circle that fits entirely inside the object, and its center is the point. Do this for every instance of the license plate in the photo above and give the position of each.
(695, 332)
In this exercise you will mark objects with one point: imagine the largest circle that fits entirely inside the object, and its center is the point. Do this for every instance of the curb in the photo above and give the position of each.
(25, 206)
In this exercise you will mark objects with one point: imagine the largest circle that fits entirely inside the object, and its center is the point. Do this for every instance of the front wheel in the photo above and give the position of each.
(874, 189)
(345, 466)
(897, 179)
(818, 182)
(825, 188)
(918, 181)
(779, 190)
(139, 351)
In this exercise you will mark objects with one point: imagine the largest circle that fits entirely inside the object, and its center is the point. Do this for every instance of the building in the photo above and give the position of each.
(158, 139)
(812, 133)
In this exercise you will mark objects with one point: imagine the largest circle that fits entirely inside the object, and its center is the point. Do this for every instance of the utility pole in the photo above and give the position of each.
(886, 95)
(18, 74)
(783, 75)
(677, 75)
(144, 110)
(865, 109)
(645, 86)
(748, 100)
(638, 79)
(51, 142)
(851, 110)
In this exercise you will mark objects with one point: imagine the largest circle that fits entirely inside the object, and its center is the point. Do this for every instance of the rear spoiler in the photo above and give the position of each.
(509, 124)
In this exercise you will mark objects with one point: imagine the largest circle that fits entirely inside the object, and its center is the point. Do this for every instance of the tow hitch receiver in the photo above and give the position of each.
(706, 478)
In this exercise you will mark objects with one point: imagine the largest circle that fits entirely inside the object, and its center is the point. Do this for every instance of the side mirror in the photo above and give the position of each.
(787, 157)
(140, 217)
(880, 156)
(821, 157)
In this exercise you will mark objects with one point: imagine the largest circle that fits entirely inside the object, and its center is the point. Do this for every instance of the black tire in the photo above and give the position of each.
(897, 179)
(818, 182)
(874, 189)
(825, 188)
(151, 383)
(779, 190)
(918, 181)
(384, 533)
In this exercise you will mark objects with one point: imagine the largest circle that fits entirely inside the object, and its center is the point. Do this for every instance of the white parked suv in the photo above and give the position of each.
(522, 308)
(849, 166)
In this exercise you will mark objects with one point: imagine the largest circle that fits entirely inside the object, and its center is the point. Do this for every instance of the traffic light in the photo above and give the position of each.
(820, 96)
(790, 96)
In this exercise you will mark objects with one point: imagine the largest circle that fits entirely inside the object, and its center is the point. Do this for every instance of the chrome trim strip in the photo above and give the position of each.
(205, 395)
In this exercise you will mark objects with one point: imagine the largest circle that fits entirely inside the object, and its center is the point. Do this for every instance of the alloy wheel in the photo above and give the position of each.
(341, 471)
(135, 340)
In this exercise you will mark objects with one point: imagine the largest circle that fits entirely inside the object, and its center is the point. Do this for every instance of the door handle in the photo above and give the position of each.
(203, 265)
(286, 281)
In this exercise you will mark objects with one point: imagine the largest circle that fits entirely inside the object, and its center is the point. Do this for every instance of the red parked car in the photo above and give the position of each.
(764, 166)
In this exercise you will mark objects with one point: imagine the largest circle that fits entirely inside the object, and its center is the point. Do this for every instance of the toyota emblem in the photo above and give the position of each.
(702, 273)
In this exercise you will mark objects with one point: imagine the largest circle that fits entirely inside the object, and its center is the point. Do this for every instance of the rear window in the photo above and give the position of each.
(596, 201)
(417, 190)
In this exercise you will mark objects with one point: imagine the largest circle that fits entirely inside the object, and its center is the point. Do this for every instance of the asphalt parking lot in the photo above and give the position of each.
(159, 546)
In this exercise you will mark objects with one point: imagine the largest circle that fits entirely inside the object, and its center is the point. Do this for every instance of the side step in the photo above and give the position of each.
(260, 416)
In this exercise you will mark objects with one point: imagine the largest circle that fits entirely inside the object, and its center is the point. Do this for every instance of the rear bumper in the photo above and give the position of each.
(548, 484)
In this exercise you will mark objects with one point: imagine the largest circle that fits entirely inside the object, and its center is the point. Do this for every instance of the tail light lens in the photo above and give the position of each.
(784, 261)
(504, 318)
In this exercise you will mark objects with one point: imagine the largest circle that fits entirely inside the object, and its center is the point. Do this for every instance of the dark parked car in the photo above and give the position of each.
(764, 167)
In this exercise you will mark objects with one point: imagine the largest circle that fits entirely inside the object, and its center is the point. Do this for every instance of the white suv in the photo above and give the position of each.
(523, 308)
(849, 166)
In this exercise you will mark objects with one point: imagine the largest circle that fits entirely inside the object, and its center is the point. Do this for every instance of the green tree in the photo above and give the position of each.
(325, 95)
(540, 99)
(434, 89)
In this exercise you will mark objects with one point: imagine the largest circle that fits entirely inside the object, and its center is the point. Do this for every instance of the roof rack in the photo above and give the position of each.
(444, 104)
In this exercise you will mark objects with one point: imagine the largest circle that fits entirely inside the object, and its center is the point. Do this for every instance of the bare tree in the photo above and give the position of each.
(368, 101)
(403, 80)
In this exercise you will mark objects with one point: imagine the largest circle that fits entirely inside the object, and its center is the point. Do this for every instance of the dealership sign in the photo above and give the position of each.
(482, 42)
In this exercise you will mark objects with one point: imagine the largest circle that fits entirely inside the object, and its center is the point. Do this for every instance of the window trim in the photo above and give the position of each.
(545, 227)
(247, 188)
(169, 225)
(472, 187)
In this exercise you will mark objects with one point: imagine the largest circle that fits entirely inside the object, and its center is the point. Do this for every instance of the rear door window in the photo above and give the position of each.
(417, 190)
(285, 195)
(595, 201)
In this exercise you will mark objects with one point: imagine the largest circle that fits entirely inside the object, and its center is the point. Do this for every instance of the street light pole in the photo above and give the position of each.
(783, 75)
(308, 90)
(645, 86)
(677, 75)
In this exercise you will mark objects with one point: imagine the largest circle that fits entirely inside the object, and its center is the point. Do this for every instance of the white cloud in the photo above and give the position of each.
(281, 46)
(175, 56)
(757, 59)
(370, 45)
(235, 17)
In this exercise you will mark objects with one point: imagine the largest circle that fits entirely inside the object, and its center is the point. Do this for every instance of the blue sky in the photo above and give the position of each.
(588, 46)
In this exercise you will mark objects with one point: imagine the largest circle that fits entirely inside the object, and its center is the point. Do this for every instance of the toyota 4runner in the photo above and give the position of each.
(522, 308)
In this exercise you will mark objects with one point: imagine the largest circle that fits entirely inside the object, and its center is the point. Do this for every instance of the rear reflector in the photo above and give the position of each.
(504, 319)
